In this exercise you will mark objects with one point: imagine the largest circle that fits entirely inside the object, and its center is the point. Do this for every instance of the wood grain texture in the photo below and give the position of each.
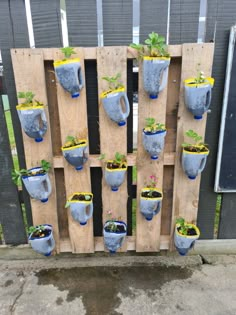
(73, 122)
(148, 232)
(186, 191)
(110, 61)
(29, 76)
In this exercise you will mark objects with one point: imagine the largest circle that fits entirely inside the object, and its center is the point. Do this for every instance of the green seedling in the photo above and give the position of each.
(153, 126)
(197, 145)
(200, 78)
(71, 141)
(68, 51)
(36, 230)
(28, 99)
(114, 83)
(183, 226)
(120, 159)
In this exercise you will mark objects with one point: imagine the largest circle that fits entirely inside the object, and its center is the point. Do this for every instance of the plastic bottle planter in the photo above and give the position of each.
(184, 243)
(76, 155)
(197, 97)
(81, 210)
(150, 206)
(33, 121)
(69, 74)
(155, 74)
(154, 142)
(114, 240)
(38, 186)
(111, 101)
(43, 245)
(193, 163)
(115, 177)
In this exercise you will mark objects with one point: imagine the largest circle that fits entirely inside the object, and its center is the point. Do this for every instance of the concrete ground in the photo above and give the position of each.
(120, 284)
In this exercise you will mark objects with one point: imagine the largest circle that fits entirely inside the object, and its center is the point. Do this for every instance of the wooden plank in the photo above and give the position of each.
(30, 76)
(148, 232)
(169, 159)
(186, 191)
(73, 122)
(65, 244)
(110, 61)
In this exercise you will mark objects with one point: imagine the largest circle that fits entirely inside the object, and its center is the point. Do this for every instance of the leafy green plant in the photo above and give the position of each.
(16, 175)
(86, 197)
(114, 83)
(197, 145)
(112, 227)
(28, 99)
(68, 51)
(183, 226)
(152, 126)
(200, 78)
(36, 230)
(119, 159)
(155, 46)
(71, 141)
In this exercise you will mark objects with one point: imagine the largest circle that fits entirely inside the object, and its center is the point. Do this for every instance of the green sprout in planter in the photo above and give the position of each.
(200, 78)
(197, 146)
(155, 46)
(86, 197)
(183, 226)
(68, 51)
(29, 99)
(114, 82)
(71, 141)
(118, 160)
(16, 175)
(152, 126)
(112, 227)
(36, 230)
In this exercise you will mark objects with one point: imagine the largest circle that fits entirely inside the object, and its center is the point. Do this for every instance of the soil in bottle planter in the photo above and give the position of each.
(73, 145)
(41, 233)
(151, 194)
(196, 149)
(81, 197)
(190, 231)
(114, 166)
(119, 229)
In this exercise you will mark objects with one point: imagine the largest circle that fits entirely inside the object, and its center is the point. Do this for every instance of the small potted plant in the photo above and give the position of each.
(156, 62)
(194, 156)
(68, 72)
(115, 170)
(32, 116)
(150, 199)
(41, 239)
(185, 236)
(74, 151)
(36, 181)
(197, 94)
(114, 232)
(81, 206)
(154, 137)
(112, 99)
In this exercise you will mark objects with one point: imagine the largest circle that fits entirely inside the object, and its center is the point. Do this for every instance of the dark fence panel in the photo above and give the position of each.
(82, 22)
(14, 33)
(10, 210)
(222, 12)
(117, 22)
(46, 18)
(184, 19)
(153, 18)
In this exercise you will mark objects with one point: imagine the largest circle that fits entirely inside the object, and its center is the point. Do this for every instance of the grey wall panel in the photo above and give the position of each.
(222, 12)
(117, 22)
(14, 33)
(46, 18)
(153, 18)
(82, 22)
(184, 19)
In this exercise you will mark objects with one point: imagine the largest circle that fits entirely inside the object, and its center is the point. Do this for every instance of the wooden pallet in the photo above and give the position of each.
(33, 71)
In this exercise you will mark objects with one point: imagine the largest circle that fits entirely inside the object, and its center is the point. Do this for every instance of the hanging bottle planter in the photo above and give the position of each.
(69, 73)
(112, 100)
(74, 151)
(41, 239)
(36, 181)
(154, 138)
(185, 236)
(114, 233)
(150, 202)
(115, 171)
(81, 207)
(32, 116)
(197, 94)
(156, 61)
(194, 156)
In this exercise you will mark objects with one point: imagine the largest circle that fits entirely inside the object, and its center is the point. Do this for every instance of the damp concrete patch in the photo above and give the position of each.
(100, 288)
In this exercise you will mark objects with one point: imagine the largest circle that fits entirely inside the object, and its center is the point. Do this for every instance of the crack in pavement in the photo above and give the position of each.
(13, 306)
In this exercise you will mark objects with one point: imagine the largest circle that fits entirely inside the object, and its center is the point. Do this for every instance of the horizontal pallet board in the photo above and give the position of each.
(33, 71)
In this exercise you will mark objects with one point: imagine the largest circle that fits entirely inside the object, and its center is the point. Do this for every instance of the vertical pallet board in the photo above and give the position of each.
(186, 192)
(29, 76)
(110, 61)
(148, 232)
(73, 122)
